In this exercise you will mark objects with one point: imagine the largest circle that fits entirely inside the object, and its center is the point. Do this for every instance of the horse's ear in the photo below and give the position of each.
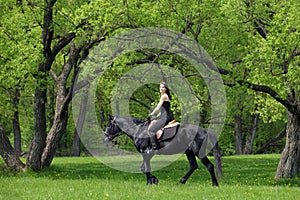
(110, 117)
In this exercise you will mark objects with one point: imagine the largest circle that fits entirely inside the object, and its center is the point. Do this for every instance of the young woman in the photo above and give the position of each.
(164, 117)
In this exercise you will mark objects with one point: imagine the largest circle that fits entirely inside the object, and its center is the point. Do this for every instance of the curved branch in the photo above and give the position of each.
(279, 136)
(270, 91)
(62, 43)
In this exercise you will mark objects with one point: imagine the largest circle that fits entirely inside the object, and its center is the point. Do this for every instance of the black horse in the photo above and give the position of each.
(190, 139)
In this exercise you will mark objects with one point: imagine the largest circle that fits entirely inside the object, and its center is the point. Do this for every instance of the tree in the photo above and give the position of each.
(44, 145)
(251, 135)
(278, 66)
(272, 61)
(17, 58)
(40, 99)
(74, 42)
(67, 36)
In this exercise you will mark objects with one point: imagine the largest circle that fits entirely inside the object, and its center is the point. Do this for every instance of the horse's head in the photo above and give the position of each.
(112, 130)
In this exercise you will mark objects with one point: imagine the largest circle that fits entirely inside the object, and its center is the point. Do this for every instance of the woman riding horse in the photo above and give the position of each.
(164, 117)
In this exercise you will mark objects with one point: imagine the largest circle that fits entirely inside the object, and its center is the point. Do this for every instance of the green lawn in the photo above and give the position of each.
(245, 177)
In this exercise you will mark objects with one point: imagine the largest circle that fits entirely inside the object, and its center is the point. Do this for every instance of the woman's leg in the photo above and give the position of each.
(152, 129)
(150, 125)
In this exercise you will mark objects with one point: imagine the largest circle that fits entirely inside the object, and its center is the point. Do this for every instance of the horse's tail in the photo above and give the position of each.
(218, 160)
(217, 153)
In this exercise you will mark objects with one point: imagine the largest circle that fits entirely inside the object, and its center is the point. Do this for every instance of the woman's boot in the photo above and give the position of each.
(154, 142)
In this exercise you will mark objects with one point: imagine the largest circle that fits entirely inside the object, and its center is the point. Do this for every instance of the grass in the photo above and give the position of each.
(245, 177)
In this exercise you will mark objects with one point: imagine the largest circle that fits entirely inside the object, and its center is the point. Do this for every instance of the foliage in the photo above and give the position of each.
(20, 53)
(245, 177)
(226, 29)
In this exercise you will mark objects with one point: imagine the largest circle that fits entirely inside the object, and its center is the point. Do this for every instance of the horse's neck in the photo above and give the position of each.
(130, 128)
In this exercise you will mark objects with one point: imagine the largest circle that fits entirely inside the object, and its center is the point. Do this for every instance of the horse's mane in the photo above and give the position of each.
(138, 120)
(134, 120)
(132, 125)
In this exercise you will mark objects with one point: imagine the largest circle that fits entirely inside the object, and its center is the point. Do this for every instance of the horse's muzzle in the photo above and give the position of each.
(106, 138)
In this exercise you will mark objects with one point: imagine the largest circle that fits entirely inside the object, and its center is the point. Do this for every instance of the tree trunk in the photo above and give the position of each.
(289, 161)
(38, 143)
(53, 138)
(79, 125)
(40, 130)
(298, 164)
(59, 125)
(51, 105)
(8, 154)
(76, 150)
(16, 124)
(251, 136)
(238, 141)
(41, 155)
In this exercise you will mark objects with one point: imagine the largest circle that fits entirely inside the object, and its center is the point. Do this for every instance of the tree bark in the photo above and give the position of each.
(299, 164)
(51, 105)
(76, 150)
(16, 123)
(238, 141)
(251, 136)
(38, 143)
(55, 134)
(79, 125)
(289, 161)
(8, 154)
(60, 119)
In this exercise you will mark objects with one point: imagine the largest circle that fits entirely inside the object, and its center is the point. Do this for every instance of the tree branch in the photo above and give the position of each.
(140, 102)
(54, 76)
(280, 135)
(48, 31)
(74, 60)
(62, 43)
(270, 91)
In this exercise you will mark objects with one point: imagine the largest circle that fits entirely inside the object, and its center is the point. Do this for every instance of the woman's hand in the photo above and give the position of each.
(149, 117)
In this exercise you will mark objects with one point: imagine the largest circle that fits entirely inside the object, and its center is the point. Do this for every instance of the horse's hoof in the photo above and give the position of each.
(152, 180)
(215, 184)
(182, 181)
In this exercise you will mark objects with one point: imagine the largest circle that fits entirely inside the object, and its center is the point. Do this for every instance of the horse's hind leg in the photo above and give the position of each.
(210, 168)
(193, 165)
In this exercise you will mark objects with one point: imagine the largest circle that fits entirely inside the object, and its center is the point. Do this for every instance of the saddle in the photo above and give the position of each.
(167, 132)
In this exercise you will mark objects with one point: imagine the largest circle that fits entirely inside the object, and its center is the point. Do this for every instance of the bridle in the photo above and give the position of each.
(113, 124)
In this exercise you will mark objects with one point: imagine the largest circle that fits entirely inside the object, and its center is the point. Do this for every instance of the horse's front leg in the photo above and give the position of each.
(146, 169)
(151, 179)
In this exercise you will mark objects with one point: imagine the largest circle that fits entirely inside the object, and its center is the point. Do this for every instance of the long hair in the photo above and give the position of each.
(167, 90)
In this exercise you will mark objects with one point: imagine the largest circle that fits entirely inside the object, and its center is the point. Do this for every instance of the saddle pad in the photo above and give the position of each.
(168, 133)
(171, 125)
